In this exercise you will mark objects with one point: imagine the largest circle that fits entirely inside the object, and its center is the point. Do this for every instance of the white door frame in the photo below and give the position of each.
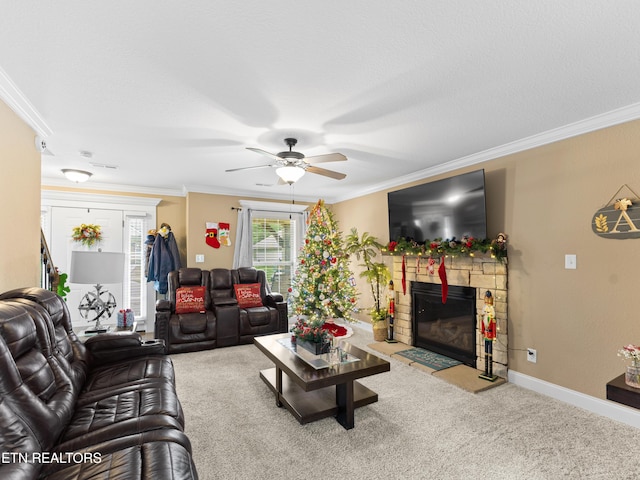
(128, 204)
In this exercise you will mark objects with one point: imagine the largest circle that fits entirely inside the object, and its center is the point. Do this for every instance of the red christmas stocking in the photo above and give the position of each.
(223, 234)
(212, 235)
(442, 272)
(404, 277)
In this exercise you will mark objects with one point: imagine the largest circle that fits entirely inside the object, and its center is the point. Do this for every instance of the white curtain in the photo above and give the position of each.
(243, 251)
(242, 254)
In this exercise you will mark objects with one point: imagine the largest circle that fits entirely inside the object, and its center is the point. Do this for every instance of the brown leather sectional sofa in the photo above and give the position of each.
(106, 408)
(221, 322)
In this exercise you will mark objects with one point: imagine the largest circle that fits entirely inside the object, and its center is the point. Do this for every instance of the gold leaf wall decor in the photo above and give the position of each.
(601, 223)
(619, 218)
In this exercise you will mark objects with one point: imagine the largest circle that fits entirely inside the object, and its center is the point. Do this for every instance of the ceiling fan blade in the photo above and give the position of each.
(248, 168)
(264, 152)
(329, 157)
(326, 173)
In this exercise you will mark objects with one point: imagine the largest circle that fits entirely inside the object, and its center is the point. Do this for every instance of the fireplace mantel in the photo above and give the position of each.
(482, 272)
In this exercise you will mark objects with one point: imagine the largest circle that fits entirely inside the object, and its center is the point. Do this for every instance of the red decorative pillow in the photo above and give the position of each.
(190, 300)
(248, 295)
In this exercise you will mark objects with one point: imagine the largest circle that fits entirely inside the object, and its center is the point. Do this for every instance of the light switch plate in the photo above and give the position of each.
(570, 262)
(199, 258)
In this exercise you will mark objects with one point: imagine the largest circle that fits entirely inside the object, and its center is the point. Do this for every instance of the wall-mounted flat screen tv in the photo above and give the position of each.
(446, 209)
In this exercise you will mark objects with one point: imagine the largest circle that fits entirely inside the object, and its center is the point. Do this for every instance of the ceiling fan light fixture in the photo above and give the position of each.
(290, 174)
(78, 176)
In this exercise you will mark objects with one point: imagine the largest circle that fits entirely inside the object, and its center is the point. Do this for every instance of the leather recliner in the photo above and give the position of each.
(271, 317)
(186, 332)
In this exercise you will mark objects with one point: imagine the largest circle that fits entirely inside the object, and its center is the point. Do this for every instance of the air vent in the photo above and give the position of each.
(103, 165)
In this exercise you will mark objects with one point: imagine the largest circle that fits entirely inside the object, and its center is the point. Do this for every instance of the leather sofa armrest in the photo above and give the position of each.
(273, 298)
(225, 302)
(162, 326)
(163, 305)
(111, 347)
(110, 341)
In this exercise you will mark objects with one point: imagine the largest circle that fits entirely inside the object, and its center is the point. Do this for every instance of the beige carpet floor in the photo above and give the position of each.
(420, 428)
(461, 376)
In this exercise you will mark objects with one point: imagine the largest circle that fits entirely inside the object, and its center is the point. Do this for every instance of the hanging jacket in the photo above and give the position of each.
(164, 258)
(148, 247)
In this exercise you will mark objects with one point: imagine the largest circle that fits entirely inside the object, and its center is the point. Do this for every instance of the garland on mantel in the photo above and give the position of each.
(468, 246)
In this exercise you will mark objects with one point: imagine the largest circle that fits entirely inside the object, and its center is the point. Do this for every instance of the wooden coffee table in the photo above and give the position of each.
(311, 394)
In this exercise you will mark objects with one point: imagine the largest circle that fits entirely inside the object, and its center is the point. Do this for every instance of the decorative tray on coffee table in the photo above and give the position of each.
(316, 361)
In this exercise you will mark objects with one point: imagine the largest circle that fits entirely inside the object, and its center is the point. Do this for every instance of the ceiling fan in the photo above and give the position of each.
(291, 166)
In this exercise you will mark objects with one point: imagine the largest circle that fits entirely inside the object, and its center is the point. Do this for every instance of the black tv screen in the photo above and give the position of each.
(446, 209)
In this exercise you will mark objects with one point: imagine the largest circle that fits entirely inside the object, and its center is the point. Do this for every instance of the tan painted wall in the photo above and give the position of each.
(203, 208)
(544, 199)
(19, 203)
(366, 214)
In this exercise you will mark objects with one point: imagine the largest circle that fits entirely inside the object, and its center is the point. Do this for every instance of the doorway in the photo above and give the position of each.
(63, 220)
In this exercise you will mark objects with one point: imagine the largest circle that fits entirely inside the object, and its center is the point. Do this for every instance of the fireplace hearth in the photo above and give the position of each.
(446, 328)
(481, 273)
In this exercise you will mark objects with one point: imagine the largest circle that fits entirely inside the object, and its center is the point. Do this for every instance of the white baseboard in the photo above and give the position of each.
(606, 408)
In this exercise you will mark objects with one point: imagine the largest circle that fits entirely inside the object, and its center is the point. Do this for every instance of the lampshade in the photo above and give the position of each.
(96, 267)
(77, 176)
(290, 174)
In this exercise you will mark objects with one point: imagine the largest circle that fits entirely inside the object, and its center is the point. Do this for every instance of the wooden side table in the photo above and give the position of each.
(620, 392)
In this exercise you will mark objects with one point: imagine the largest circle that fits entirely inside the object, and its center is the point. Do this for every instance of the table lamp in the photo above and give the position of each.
(97, 268)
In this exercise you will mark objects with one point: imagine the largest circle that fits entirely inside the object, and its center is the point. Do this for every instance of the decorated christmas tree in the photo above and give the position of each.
(323, 287)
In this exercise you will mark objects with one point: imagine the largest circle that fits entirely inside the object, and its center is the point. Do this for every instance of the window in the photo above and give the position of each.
(275, 243)
(135, 291)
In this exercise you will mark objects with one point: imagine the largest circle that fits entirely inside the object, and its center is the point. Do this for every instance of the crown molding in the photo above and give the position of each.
(272, 206)
(108, 187)
(16, 100)
(57, 197)
(591, 124)
(249, 193)
(597, 122)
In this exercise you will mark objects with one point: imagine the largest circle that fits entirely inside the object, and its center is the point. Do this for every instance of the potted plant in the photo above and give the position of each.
(377, 275)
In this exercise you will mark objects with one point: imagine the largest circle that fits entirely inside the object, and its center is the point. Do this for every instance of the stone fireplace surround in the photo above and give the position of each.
(482, 272)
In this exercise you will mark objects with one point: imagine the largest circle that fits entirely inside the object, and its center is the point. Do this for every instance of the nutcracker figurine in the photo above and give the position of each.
(391, 309)
(489, 335)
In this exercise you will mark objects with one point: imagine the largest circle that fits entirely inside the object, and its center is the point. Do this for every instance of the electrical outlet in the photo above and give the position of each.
(199, 258)
(532, 355)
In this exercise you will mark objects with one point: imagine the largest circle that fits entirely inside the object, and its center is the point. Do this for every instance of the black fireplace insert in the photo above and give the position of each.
(445, 328)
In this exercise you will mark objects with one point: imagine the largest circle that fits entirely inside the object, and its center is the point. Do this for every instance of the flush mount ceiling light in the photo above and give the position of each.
(290, 174)
(77, 176)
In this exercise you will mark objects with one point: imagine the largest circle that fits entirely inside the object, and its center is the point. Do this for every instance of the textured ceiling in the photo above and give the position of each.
(171, 93)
